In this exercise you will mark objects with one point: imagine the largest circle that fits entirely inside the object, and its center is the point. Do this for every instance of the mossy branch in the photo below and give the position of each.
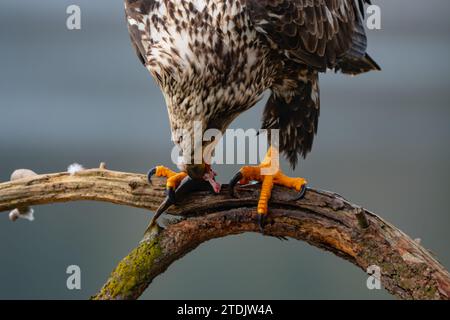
(323, 219)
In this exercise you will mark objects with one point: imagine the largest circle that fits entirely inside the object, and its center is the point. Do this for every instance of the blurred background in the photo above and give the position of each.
(82, 96)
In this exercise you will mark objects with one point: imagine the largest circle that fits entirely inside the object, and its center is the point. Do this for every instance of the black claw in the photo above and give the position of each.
(150, 174)
(237, 177)
(163, 207)
(301, 193)
(186, 186)
(170, 193)
(262, 222)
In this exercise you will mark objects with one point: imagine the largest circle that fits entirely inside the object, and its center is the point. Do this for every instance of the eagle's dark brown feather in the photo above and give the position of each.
(131, 11)
(295, 112)
(314, 32)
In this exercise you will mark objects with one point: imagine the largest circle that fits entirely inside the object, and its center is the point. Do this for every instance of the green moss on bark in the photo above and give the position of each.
(132, 272)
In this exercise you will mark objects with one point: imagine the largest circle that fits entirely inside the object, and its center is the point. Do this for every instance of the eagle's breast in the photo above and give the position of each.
(205, 56)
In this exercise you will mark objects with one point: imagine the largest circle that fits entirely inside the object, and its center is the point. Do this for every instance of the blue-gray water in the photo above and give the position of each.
(81, 96)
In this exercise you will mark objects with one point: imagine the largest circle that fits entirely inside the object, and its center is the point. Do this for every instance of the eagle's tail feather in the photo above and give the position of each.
(355, 66)
(296, 115)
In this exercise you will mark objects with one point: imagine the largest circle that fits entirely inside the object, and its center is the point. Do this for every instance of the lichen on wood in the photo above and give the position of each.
(133, 272)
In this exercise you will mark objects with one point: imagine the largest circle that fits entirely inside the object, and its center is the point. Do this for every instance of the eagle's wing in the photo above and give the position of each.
(136, 47)
(314, 32)
(136, 12)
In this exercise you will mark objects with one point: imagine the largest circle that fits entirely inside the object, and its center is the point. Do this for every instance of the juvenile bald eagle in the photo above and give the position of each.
(213, 59)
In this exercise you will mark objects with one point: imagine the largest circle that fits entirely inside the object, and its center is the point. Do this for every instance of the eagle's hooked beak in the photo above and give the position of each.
(203, 172)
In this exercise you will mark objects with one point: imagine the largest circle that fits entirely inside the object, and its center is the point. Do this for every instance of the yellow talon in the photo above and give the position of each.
(162, 171)
(173, 178)
(268, 179)
(288, 182)
(266, 192)
(250, 174)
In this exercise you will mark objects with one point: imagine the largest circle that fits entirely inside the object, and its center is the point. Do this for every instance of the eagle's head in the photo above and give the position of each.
(204, 172)
(196, 141)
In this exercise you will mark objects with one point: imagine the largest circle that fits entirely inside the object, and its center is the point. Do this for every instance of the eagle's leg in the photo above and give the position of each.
(178, 186)
(269, 174)
(173, 179)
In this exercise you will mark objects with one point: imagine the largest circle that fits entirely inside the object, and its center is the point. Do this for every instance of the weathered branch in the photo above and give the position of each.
(323, 219)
